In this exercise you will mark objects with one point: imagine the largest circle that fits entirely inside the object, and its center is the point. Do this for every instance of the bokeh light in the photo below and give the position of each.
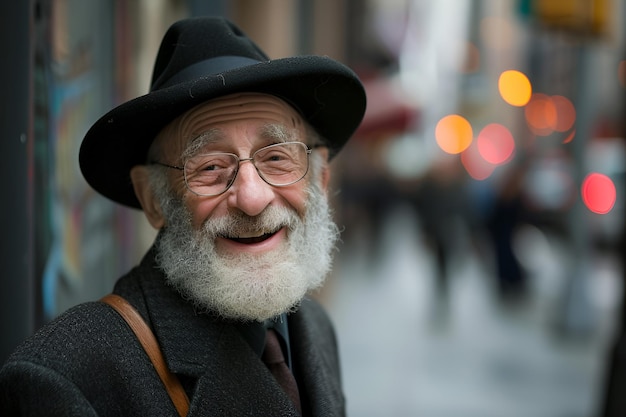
(565, 113)
(548, 114)
(475, 164)
(495, 143)
(570, 137)
(598, 193)
(515, 88)
(453, 134)
(540, 113)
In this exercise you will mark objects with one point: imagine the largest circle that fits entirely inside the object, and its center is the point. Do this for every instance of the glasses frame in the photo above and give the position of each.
(308, 150)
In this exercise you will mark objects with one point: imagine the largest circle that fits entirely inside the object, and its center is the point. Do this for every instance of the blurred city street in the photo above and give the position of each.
(408, 352)
(481, 199)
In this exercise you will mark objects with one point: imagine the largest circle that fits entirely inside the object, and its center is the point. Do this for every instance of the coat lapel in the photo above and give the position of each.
(231, 378)
(237, 383)
(316, 361)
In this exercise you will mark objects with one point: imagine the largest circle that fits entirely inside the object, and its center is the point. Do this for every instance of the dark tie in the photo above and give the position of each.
(275, 361)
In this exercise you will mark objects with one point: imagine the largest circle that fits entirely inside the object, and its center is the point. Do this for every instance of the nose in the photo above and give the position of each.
(249, 193)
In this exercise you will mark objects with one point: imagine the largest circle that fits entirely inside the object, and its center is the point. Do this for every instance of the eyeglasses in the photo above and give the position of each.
(212, 174)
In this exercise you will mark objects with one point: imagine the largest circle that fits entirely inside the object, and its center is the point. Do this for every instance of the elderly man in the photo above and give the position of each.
(228, 158)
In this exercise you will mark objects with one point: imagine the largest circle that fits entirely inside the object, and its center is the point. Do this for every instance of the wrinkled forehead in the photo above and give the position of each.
(266, 109)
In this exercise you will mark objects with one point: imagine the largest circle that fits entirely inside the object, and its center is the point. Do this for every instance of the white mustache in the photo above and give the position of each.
(240, 225)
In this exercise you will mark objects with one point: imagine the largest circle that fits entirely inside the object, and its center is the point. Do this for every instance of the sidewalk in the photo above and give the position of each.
(473, 358)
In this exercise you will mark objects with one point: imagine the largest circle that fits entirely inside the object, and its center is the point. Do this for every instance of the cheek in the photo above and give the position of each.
(202, 209)
(295, 196)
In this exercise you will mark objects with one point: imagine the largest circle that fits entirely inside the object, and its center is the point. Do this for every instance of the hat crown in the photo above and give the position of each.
(202, 40)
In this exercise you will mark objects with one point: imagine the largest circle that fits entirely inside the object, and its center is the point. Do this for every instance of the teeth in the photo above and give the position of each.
(250, 235)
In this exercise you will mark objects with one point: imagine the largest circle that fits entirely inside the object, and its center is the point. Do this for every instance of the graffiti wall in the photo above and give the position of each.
(83, 241)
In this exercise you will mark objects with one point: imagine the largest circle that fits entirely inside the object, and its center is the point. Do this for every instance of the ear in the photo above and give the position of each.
(325, 174)
(151, 207)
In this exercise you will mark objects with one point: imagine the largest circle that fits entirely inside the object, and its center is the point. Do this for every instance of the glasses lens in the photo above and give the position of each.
(210, 174)
(282, 164)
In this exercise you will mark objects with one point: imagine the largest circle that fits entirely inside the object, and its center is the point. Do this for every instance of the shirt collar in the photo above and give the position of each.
(254, 334)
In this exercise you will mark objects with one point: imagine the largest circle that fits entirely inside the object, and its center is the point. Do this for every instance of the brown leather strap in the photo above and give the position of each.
(151, 346)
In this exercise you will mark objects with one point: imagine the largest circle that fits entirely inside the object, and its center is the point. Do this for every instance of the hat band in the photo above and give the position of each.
(211, 66)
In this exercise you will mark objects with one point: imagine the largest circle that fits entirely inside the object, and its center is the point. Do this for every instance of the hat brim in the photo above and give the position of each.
(327, 94)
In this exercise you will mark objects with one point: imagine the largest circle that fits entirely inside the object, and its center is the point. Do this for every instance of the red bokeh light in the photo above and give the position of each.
(475, 164)
(598, 193)
(495, 143)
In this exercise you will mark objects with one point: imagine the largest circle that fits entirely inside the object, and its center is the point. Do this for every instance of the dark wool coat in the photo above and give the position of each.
(87, 362)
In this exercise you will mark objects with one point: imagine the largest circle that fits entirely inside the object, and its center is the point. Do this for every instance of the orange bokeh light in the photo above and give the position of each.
(541, 114)
(495, 143)
(570, 137)
(598, 193)
(547, 114)
(453, 134)
(514, 88)
(565, 113)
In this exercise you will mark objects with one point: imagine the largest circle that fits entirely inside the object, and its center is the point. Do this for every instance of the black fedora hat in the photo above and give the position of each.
(203, 58)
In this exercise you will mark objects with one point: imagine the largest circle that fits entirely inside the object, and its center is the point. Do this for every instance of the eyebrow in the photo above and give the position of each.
(278, 133)
(275, 133)
(206, 138)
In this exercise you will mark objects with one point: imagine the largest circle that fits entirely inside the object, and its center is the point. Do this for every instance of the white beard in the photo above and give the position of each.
(246, 286)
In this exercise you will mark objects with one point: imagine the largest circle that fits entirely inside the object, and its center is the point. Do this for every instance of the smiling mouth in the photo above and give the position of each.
(248, 240)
